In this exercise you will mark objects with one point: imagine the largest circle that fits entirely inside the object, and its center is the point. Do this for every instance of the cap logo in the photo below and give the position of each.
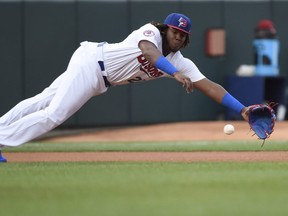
(182, 22)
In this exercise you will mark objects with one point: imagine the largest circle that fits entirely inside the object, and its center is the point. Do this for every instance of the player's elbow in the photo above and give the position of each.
(149, 51)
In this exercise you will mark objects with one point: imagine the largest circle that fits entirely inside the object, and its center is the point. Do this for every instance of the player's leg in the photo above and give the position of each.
(81, 82)
(30, 105)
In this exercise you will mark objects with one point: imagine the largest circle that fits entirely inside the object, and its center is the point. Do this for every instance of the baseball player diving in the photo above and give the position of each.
(150, 52)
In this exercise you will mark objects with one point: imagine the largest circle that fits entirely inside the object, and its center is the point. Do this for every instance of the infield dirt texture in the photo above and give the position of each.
(184, 131)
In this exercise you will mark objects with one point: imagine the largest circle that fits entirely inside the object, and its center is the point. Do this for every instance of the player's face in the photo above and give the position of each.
(175, 39)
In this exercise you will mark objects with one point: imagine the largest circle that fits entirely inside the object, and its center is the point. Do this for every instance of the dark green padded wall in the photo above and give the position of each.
(38, 38)
(204, 16)
(49, 42)
(11, 54)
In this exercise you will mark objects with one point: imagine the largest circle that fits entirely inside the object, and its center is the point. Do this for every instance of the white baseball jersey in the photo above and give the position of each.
(125, 63)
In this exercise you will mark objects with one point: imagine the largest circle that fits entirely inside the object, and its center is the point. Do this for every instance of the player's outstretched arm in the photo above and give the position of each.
(211, 89)
(221, 96)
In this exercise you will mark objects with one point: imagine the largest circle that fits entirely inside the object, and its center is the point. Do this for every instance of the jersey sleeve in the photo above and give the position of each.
(189, 69)
(150, 33)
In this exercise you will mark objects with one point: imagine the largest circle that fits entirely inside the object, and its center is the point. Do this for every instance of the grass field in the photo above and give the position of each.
(153, 146)
(138, 188)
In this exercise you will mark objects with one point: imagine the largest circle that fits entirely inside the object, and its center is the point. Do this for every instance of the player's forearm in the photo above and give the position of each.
(220, 95)
(211, 89)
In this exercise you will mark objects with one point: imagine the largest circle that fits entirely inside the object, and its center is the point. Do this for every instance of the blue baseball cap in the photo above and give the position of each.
(179, 21)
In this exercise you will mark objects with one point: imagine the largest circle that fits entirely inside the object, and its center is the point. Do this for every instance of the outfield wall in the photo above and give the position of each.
(38, 38)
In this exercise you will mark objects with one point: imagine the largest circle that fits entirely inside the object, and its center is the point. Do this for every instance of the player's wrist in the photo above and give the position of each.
(229, 101)
(163, 64)
(175, 74)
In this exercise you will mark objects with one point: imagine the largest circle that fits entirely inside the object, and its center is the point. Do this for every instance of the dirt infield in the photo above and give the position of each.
(185, 131)
(148, 156)
(181, 131)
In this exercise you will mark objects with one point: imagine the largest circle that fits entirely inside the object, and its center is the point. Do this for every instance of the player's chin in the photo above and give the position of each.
(175, 49)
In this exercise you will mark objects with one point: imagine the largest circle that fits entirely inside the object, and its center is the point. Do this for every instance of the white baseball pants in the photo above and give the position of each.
(37, 115)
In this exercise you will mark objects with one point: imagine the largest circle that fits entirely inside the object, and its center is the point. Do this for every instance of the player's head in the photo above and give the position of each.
(178, 31)
(179, 21)
(176, 22)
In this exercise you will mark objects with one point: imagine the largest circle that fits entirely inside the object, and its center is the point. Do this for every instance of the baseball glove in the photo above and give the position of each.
(261, 120)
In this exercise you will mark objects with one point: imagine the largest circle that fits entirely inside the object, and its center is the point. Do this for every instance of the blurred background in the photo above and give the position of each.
(38, 38)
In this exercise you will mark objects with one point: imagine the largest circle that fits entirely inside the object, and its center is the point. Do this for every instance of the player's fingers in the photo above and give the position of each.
(180, 79)
(186, 82)
(188, 85)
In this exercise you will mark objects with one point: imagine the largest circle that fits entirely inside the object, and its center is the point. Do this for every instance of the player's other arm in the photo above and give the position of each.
(221, 96)
(155, 57)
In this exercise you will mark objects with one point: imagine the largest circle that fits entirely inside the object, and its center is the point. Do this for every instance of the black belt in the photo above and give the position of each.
(107, 83)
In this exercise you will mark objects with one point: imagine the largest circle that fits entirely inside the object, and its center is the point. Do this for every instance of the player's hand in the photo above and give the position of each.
(245, 113)
(186, 82)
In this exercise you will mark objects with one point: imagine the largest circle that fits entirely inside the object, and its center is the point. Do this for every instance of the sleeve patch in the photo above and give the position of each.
(149, 33)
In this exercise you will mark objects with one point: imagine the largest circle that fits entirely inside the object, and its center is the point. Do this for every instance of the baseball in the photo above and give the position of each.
(229, 129)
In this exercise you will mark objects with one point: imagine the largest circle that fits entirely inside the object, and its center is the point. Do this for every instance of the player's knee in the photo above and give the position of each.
(56, 117)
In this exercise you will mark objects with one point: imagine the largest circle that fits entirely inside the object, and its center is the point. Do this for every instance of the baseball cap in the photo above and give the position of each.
(266, 24)
(179, 21)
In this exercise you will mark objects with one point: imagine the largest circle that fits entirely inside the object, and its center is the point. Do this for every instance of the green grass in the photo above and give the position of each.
(142, 189)
(153, 146)
(145, 189)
